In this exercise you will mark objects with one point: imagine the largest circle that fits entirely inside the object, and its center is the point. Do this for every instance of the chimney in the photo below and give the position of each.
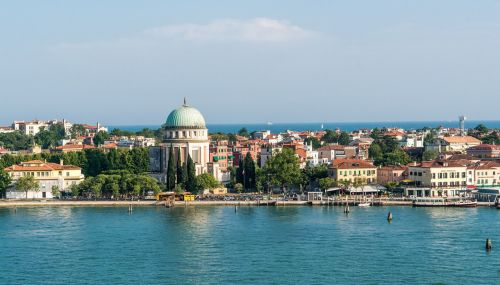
(61, 162)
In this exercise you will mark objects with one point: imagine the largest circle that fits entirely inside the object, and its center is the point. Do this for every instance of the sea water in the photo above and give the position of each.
(248, 245)
(345, 126)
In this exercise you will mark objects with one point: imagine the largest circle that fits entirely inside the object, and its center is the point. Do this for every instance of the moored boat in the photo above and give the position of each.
(364, 205)
(267, 203)
(444, 202)
(464, 203)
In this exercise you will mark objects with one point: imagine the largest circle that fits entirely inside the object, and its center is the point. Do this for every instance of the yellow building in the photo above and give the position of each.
(47, 175)
(353, 169)
(437, 178)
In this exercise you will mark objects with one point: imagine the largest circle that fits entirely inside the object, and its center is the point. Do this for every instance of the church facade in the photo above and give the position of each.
(186, 132)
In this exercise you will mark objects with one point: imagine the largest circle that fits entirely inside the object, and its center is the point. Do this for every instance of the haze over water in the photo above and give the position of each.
(265, 245)
(346, 126)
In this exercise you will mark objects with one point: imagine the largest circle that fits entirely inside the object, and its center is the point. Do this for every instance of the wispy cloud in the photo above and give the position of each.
(257, 30)
(254, 30)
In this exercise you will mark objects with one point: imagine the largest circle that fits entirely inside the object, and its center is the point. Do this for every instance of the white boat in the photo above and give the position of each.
(364, 205)
(444, 202)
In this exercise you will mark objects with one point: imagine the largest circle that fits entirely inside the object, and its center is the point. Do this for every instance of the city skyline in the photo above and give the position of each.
(250, 62)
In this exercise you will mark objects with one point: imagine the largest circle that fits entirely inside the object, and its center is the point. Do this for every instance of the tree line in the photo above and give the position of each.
(116, 184)
(92, 161)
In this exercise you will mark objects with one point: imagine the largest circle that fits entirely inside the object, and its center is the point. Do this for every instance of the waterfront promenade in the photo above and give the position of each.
(123, 203)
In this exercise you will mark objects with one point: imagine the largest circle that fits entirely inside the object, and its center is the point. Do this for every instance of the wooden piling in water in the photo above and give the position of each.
(488, 244)
(389, 217)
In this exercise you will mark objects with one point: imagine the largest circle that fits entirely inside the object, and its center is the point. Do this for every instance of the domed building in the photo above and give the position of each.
(186, 132)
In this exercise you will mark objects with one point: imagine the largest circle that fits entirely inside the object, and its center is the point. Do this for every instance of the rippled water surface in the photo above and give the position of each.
(274, 245)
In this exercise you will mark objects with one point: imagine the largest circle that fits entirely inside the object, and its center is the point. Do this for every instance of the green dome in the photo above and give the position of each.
(185, 117)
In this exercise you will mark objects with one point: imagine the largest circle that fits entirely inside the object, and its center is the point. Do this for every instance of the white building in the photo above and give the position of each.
(453, 144)
(187, 135)
(312, 156)
(266, 152)
(437, 178)
(47, 175)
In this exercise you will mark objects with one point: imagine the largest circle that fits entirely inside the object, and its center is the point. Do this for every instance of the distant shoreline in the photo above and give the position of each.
(54, 203)
(277, 127)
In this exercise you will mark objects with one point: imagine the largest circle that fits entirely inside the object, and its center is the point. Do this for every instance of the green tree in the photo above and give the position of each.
(376, 134)
(240, 170)
(58, 130)
(391, 186)
(206, 181)
(430, 137)
(326, 183)
(429, 155)
(181, 174)
(243, 132)
(100, 137)
(77, 130)
(249, 177)
(375, 152)
(114, 188)
(16, 141)
(492, 138)
(344, 138)
(397, 157)
(55, 191)
(314, 141)
(171, 169)
(238, 187)
(330, 137)
(481, 130)
(75, 190)
(5, 181)
(46, 139)
(26, 184)
(283, 169)
(191, 177)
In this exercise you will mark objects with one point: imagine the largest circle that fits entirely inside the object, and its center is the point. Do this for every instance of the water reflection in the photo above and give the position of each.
(216, 245)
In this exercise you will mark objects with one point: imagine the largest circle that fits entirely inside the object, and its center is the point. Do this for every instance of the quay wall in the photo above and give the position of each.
(55, 203)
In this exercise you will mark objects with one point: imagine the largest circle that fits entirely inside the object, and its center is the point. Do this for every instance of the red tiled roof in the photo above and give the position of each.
(487, 165)
(440, 163)
(346, 163)
(394, 167)
(333, 147)
(488, 147)
(394, 134)
(75, 146)
(461, 139)
(38, 165)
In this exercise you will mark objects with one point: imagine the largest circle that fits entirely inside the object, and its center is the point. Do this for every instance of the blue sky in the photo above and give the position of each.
(132, 62)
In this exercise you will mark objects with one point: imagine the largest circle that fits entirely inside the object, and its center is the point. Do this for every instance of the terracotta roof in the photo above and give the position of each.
(486, 165)
(38, 165)
(75, 146)
(109, 145)
(461, 139)
(439, 163)
(394, 167)
(89, 127)
(394, 134)
(488, 147)
(301, 153)
(333, 147)
(346, 163)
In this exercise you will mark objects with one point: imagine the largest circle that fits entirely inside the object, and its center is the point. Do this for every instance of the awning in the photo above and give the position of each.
(333, 189)
(365, 189)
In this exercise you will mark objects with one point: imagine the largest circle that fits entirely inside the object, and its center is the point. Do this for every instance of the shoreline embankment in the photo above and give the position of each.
(121, 203)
